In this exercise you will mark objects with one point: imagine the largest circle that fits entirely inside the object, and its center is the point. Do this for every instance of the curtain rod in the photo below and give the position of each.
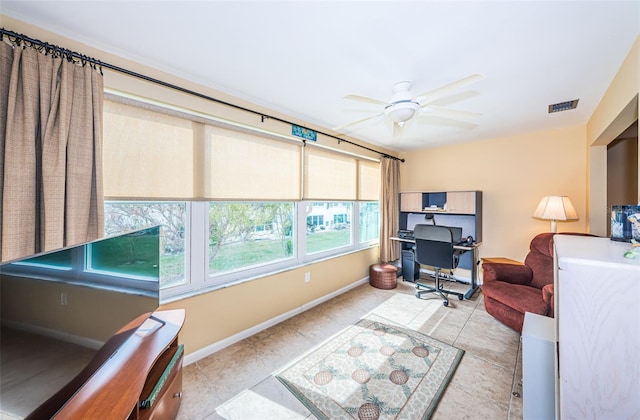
(72, 56)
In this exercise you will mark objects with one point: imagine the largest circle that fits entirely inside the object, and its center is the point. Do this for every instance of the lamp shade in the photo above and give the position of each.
(554, 208)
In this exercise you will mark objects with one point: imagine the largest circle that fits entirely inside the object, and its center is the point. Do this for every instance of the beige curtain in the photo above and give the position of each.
(50, 152)
(389, 208)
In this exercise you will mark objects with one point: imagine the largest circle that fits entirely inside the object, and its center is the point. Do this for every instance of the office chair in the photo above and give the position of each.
(434, 247)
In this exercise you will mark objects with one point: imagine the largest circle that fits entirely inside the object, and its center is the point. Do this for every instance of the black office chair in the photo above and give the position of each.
(434, 247)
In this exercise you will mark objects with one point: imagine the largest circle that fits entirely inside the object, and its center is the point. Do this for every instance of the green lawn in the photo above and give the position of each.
(256, 252)
(130, 255)
(244, 254)
(321, 241)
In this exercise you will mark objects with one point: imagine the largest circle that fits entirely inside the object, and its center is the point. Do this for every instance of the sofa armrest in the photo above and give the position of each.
(547, 296)
(509, 273)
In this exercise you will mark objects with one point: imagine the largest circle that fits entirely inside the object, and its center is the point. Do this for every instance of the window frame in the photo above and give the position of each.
(248, 272)
(196, 272)
(197, 278)
(80, 273)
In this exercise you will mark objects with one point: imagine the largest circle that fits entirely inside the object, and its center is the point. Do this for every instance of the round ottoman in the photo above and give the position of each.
(383, 276)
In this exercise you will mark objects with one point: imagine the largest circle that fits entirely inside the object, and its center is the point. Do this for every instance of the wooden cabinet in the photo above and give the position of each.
(137, 374)
(411, 201)
(461, 202)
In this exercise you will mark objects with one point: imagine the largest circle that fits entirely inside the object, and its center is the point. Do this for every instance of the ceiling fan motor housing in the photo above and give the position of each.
(402, 107)
(400, 112)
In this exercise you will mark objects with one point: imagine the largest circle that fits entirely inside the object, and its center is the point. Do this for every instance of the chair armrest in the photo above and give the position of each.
(509, 273)
(547, 296)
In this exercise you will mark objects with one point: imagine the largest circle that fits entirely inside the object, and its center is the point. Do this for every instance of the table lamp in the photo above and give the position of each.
(555, 208)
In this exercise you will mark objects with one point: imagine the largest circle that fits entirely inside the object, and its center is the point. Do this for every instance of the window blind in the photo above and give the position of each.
(244, 166)
(146, 154)
(158, 154)
(329, 176)
(368, 180)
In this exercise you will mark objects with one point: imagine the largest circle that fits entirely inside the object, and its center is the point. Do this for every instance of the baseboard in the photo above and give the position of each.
(219, 345)
(55, 334)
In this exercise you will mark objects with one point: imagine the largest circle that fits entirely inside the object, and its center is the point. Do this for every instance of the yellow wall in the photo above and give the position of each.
(610, 117)
(215, 316)
(89, 312)
(617, 110)
(513, 173)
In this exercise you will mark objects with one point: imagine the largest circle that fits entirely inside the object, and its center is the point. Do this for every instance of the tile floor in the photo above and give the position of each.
(237, 383)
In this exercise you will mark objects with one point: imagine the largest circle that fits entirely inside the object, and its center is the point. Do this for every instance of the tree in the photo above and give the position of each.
(126, 217)
(228, 222)
(282, 216)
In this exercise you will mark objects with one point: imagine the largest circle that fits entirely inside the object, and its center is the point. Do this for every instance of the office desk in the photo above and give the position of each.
(474, 267)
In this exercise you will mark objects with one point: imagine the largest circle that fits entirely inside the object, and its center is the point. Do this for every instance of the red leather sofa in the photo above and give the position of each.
(510, 290)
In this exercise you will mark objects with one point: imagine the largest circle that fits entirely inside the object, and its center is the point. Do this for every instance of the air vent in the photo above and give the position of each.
(563, 106)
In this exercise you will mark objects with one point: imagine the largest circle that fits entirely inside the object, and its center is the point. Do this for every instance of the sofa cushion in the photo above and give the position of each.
(540, 260)
(507, 315)
(541, 268)
(520, 297)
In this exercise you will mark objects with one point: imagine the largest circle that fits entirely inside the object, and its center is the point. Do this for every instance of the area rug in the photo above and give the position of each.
(373, 369)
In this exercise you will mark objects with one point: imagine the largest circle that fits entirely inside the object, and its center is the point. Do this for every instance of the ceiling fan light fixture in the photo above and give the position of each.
(401, 112)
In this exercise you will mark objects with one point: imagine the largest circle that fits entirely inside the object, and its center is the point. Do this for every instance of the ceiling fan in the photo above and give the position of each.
(403, 106)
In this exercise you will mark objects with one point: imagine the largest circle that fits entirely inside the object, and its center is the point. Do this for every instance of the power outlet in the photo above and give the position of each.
(307, 277)
(63, 299)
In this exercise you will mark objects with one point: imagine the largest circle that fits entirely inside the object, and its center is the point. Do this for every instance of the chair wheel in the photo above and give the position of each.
(460, 297)
(445, 303)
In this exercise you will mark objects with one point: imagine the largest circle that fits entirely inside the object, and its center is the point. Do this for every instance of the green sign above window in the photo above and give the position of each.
(305, 133)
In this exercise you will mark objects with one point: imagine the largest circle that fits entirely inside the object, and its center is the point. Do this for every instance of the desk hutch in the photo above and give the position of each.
(445, 208)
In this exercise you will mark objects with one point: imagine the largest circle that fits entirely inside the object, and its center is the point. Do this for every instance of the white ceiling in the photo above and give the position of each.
(303, 57)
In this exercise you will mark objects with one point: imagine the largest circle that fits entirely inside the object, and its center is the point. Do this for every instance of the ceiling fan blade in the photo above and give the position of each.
(447, 112)
(366, 99)
(341, 127)
(434, 94)
(445, 122)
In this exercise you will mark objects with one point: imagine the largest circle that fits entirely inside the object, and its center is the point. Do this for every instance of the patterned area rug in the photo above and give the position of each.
(374, 369)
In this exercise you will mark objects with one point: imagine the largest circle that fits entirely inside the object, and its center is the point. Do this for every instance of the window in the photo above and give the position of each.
(132, 256)
(125, 216)
(315, 222)
(369, 228)
(129, 262)
(61, 260)
(247, 234)
(335, 232)
(233, 201)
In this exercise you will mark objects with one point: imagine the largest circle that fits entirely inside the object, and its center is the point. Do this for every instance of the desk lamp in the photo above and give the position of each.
(555, 208)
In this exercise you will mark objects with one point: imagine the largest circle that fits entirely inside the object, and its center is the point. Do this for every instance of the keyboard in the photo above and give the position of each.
(405, 234)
